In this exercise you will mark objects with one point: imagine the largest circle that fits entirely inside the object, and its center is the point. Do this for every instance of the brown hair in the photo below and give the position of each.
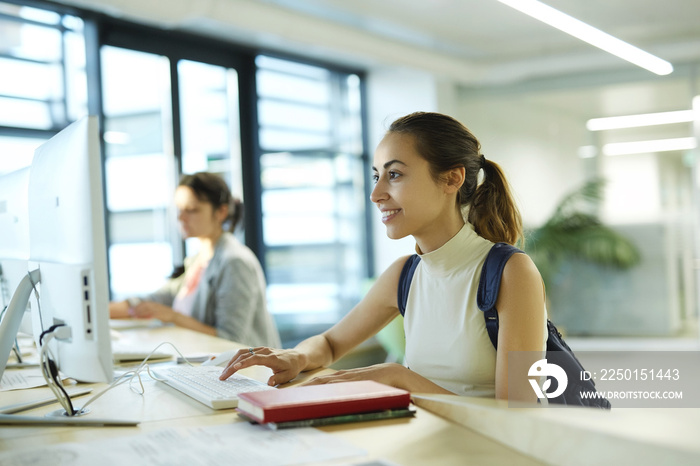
(212, 189)
(445, 143)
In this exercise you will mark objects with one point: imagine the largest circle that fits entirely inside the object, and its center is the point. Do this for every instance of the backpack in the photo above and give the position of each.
(558, 351)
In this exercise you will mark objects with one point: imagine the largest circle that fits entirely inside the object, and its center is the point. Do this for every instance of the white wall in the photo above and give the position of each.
(536, 148)
(391, 93)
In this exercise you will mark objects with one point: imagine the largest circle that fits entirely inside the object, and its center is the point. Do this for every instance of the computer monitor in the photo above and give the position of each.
(14, 248)
(68, 253)
(14, 215)
(14, 231)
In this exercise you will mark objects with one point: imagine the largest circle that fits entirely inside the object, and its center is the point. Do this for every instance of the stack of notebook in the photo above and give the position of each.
(318, 405)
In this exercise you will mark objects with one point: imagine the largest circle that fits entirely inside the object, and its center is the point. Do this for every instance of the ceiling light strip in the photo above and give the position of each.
(641, 120)
(591, 35)
(648, 147)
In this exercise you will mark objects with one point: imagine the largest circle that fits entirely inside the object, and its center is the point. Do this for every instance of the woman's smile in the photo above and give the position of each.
(387, 215)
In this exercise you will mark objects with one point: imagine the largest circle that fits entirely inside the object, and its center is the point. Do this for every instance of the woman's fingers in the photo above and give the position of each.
(280, 377)
(255, 356)
(234, 364)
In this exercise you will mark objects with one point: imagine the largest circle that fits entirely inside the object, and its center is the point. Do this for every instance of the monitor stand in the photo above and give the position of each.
(8, 331)
(13, 316)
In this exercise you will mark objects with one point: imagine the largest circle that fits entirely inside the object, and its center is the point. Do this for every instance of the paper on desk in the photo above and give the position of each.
(21, 379)
(239, 443)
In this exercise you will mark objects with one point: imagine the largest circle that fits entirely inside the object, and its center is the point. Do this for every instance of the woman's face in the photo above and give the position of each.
(410, 200)
(197, 218)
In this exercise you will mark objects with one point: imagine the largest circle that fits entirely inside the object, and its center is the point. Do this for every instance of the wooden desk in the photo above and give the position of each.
(425, 439)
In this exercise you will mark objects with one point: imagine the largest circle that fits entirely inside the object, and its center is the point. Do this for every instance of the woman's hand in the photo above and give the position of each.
(392, 374)
(153, 310)
(285, 363)
(387, 373)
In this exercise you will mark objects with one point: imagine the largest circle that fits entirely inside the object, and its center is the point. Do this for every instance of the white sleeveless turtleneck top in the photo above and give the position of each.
(446, 338)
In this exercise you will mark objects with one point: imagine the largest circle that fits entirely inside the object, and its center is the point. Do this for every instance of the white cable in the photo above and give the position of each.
(135, 373)
(45, 357)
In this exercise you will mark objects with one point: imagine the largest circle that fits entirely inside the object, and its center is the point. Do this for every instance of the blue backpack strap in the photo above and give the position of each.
(490, 283)
(405, 281)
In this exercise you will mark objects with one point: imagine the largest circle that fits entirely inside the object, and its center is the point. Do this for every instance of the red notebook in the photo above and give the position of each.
(314, 401)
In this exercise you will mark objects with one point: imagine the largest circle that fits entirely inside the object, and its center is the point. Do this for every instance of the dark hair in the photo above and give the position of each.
(445, 143)
(212, 189)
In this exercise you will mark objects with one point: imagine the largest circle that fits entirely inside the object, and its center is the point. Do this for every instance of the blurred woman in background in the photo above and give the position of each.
(222, 289)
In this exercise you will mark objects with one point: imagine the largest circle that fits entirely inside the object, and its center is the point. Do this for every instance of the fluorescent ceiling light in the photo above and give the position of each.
(636, 121)
(593, 36)
(645, 147)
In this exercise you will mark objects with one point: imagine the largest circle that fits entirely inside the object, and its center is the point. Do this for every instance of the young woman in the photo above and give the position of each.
(222, 289)
(427, 184)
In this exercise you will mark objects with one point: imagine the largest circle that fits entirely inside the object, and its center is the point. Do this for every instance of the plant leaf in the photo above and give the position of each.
(574, 231)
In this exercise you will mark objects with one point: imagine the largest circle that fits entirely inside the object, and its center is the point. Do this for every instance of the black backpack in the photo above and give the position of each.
(558, 351)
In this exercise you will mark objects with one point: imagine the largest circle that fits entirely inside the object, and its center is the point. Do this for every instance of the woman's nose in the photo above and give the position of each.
(378, 192)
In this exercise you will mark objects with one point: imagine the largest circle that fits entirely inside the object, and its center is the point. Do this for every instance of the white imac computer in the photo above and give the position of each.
(14, 247)
(67, 256)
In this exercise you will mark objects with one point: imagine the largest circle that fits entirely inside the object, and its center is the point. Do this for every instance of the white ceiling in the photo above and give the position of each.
(474, 42)
(505, 45)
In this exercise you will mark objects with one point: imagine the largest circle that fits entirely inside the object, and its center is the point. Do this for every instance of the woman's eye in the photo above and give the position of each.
(389, 175)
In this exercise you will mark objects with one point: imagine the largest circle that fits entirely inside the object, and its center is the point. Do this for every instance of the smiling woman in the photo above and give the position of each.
(427, 174)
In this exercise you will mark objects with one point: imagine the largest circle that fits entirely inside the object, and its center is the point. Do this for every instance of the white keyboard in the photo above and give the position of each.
(202, 383)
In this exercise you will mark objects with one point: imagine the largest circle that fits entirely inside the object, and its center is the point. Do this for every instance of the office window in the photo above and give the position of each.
(139, 169)
(210, 126)
(42, 79)
(313, 202)
(42, 57)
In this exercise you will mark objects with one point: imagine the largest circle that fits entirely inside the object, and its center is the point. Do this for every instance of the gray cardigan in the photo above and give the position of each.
(230, 296)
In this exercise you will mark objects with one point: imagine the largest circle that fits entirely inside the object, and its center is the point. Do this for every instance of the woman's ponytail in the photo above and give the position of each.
(235, 213)
(492, 209)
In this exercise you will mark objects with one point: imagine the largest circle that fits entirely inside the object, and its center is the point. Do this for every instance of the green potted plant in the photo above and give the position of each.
(574, 231)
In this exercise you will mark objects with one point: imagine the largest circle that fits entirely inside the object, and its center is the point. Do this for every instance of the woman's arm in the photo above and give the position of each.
(392, 374)
(157, 305)
(521, 316)
(376, 310)
(119, 310)
(369, 316)
(166, 314)
(238, 296)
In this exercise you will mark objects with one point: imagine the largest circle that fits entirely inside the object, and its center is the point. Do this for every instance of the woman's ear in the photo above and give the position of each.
(222, 213)
(454, 179)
